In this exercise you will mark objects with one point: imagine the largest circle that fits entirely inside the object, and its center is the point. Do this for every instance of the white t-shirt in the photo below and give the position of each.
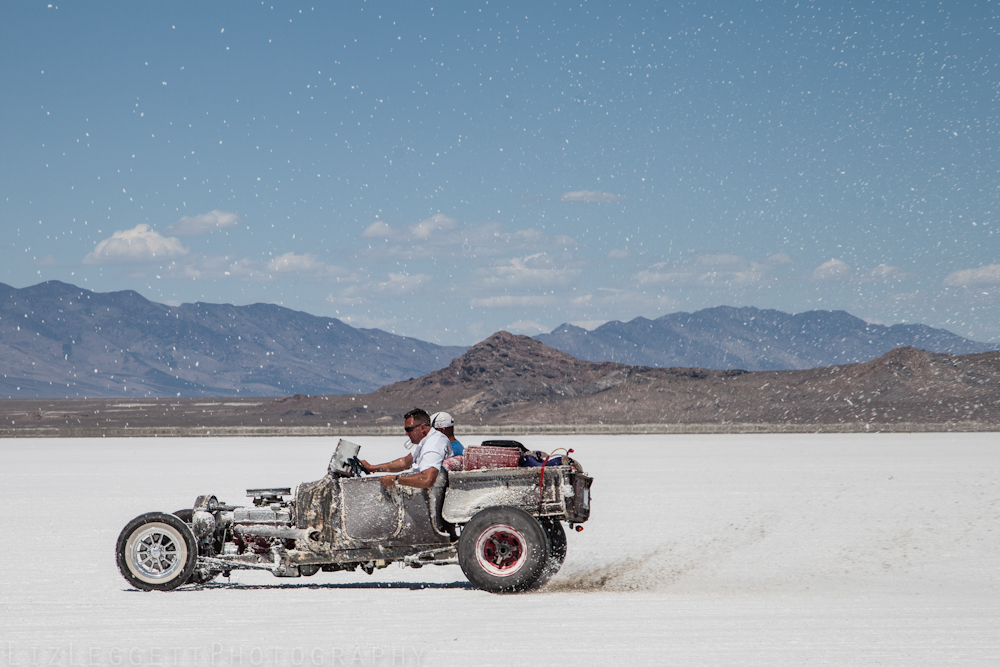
(431, 451)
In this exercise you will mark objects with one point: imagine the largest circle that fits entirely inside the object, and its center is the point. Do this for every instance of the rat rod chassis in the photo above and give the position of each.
(502, 526)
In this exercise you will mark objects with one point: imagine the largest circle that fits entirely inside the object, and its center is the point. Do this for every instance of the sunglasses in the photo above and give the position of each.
(410, 428)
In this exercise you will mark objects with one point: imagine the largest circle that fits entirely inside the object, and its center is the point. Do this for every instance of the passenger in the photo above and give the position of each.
(443, 422)
(423, 464)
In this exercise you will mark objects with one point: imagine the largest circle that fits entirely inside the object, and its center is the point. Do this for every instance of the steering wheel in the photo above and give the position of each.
(356, 469)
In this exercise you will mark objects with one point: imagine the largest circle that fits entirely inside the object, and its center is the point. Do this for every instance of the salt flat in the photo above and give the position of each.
(701, 550)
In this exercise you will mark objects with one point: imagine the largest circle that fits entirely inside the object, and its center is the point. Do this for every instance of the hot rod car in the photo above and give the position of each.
(503, 526)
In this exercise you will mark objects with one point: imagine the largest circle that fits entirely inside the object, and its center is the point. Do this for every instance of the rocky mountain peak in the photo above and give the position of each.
(506, 356)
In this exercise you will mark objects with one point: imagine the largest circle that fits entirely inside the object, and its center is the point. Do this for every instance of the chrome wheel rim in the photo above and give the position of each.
(156, 552)
(501, 550)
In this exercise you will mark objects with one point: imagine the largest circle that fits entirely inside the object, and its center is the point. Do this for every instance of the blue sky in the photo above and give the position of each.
(448, 169)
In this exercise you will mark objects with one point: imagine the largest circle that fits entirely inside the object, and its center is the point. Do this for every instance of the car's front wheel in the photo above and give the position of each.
(156, 552)
(503, 550)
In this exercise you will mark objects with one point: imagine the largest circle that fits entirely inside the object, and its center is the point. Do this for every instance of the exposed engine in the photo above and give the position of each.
(267, 524)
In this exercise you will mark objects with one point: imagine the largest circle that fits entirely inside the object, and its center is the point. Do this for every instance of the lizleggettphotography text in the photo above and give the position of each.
(211, 655)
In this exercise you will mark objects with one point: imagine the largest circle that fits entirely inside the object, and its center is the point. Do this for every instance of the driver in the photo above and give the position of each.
(423, 464)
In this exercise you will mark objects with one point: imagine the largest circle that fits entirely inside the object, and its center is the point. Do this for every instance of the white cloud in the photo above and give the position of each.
(838, 271)
(428, 226)
(608, 300)
(48, 260)
(365, 289)
(619, 253)
(540, 269)
(532, 239)
(590, 196)
(834, 270)
(377, 230)
(425, 230)
(216, 267)
(715, 270)
(398, 284)
(293, 263)
(509, 301)
(884, 273)
(733, 271)
(779, 259)
(131, 246)
(445, 238)
(984, 275)
(204, 223)
(222, 267)
(349, 296)
(306, 264)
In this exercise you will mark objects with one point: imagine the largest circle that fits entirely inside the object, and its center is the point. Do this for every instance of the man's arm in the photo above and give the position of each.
(398, 465)
(419, 480)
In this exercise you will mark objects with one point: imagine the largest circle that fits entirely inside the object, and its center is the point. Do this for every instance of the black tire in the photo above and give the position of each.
(556, 534)
(156, 552)
(503, 550)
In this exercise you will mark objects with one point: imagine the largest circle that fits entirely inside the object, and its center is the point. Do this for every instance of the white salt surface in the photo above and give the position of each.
(701, 550)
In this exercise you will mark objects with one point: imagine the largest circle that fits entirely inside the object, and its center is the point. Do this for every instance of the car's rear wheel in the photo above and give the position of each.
(156, 552)
(503, 550)
(187, 516)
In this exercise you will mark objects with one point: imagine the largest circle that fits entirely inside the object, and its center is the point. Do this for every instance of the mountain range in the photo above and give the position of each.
(61, 341)
(58, 340)
(510, 383)
(751, 339)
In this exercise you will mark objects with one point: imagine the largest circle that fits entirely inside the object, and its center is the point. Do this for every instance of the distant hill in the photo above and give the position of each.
(58, 340)
(751, 339)
(508, 379)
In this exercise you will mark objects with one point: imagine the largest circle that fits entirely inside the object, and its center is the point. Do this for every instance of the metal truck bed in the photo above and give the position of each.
(566, 495)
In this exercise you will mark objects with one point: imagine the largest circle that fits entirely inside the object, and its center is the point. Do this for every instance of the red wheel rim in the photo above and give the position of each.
(501, 550)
